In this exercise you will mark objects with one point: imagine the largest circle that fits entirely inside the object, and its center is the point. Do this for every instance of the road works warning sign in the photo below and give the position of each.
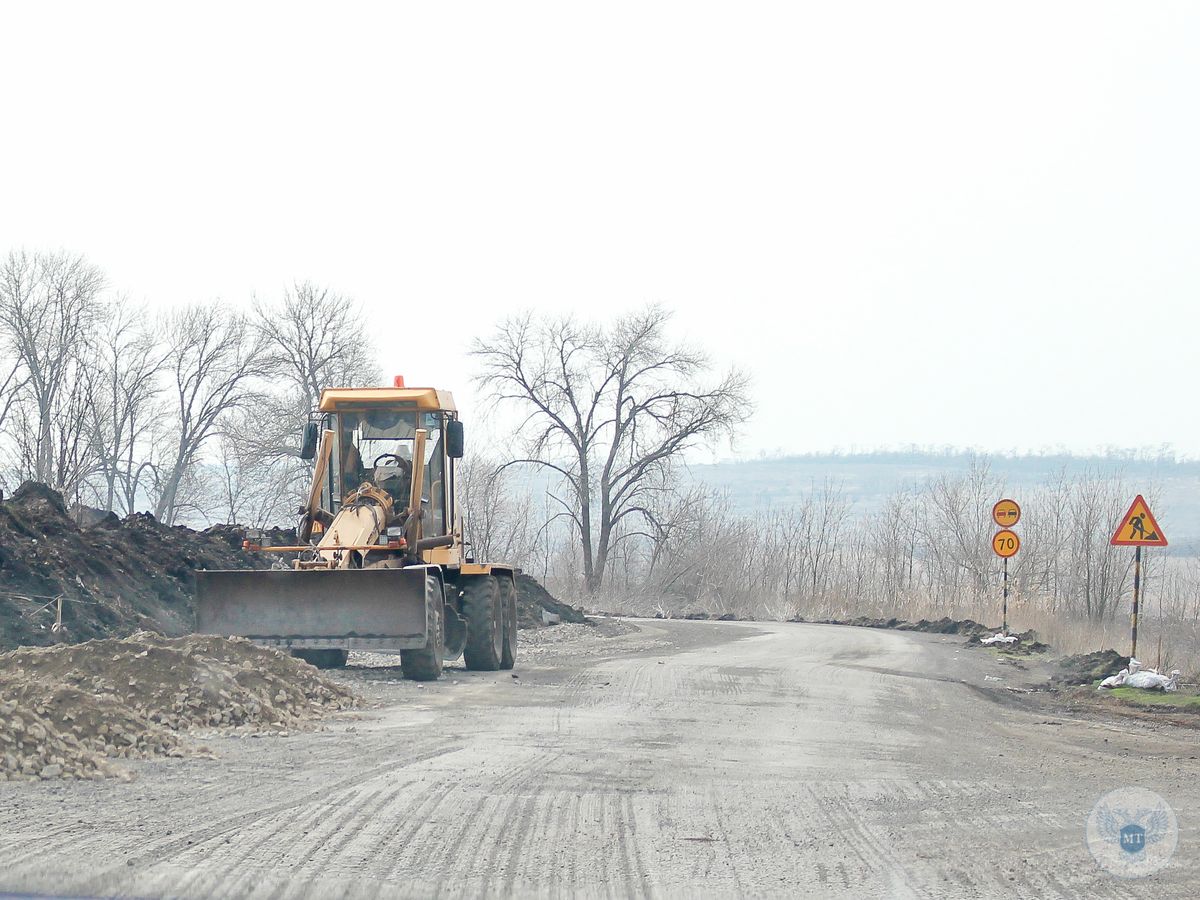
(1138, 528)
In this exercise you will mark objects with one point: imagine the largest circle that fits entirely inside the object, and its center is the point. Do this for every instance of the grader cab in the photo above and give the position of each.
(380, 562)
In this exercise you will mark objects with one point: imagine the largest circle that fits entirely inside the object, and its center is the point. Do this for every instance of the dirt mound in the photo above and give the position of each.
(703, 616)
(69, 709)
(1027, 641)
(532, 598)
(114, 575)
(944, 625)
(1088, 668)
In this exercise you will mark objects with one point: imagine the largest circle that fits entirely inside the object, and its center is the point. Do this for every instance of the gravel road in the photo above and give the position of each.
(678, 759)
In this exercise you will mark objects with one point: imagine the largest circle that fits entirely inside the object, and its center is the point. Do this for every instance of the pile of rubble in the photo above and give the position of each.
(67, 711)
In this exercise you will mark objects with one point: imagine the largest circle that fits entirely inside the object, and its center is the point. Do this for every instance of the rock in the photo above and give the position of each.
(54, 770)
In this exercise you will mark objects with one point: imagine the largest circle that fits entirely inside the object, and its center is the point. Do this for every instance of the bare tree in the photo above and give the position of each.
(1099, 570)
(242, 491)
(128, 362)
(609, 410)
(12, 383)
(498, 522)
(214, 356)
(317, 338)
(313, 338)
(47, 309)
(954, 523)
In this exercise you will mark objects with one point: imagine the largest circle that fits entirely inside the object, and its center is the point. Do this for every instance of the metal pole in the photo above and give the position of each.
(1137, 589)
(1004, 627)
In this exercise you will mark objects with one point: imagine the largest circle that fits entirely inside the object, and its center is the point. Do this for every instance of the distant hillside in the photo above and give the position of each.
(867, 478)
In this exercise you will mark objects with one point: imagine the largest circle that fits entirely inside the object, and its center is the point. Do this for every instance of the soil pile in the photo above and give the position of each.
(1027, 641)
(114, 575)
(1088, 668)
(532, 598)
(944, 625)
(68, 710)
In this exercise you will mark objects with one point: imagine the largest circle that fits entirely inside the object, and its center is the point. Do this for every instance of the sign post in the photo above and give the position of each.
(1005, 542)
(1138, 528)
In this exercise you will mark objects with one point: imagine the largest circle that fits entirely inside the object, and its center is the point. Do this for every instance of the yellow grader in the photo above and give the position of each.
(380, 563)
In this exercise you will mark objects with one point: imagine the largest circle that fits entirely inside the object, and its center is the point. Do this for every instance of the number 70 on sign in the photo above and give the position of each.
(1006, 543)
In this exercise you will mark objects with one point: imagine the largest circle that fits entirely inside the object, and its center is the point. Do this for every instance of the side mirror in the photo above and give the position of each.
(454, 439)
(308, 441)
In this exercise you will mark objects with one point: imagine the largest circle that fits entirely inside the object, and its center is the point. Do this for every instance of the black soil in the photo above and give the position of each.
(114, 575)
(1027, 641)
(532, 598)
(1088, 668)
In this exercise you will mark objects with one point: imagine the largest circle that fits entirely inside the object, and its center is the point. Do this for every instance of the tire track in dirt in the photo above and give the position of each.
(476, 810)
(227, 873)
(501, 835)
(168, 848)
(78, 837)
(329, 852)
(870, 848)
(384, 854)
(322, 849)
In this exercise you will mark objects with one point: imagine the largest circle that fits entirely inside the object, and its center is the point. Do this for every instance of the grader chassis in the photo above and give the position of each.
(381, 564)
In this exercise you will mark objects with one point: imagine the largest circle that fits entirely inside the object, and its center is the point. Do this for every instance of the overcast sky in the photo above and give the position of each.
(954, 223)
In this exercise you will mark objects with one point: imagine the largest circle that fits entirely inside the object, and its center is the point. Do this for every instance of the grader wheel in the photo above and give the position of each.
(485, 623)
(508, 599)
(426, 664)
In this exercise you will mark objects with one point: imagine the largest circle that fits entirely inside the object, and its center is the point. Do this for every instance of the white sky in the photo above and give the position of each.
(955, 223)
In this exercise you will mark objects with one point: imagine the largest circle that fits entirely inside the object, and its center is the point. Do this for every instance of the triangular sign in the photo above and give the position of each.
(1138, 528)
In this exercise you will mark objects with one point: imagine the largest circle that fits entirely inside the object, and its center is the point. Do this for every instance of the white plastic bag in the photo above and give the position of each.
(1149, 680)
(1117, 680)
(999, 638)
(1137, 677)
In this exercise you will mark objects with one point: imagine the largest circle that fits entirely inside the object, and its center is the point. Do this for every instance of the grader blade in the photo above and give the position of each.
(363, 609)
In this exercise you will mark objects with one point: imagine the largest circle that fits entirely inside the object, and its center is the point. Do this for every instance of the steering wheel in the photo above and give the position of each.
(400, 460)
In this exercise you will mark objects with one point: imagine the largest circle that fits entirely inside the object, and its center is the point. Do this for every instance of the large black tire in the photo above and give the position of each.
(508, 599)
(426, 664)
(485, 622)
(322, 659)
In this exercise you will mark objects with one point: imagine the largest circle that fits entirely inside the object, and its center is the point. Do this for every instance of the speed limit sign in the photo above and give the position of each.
(1006, 543)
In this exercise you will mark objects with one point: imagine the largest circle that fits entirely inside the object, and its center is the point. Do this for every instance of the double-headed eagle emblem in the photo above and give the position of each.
(1133, 830)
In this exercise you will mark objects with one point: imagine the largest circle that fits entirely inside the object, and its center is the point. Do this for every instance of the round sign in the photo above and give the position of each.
(1006, 543)
(1006, 513)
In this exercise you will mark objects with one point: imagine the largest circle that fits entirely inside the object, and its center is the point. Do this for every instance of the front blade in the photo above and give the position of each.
(379, 609)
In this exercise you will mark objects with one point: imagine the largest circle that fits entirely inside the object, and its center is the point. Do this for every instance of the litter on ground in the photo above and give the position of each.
(1000, 638)
(1135, 676)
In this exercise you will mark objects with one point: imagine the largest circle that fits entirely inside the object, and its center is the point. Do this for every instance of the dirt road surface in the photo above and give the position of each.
(684, 759)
